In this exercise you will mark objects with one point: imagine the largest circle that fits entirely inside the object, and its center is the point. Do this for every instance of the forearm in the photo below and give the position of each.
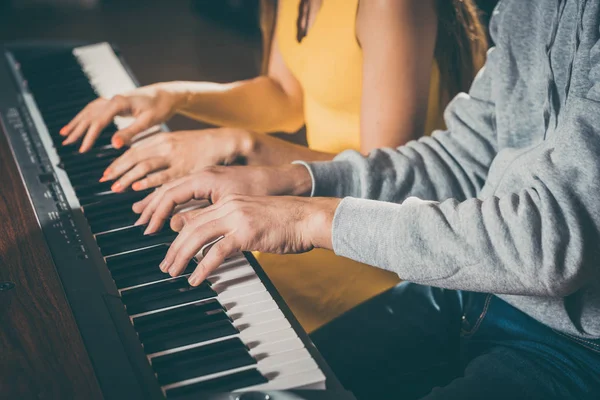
(268, 150)
(258, 104)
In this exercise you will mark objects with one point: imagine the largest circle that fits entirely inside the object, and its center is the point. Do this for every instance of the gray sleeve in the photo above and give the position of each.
(449, 164)
(540, 237)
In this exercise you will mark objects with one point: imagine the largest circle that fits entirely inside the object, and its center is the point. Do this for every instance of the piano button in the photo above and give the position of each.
(201, 361)
(225, 383)
(164, 294)
(189, 335)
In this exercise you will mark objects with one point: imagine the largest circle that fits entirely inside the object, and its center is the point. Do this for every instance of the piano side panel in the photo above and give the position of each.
(41, 352)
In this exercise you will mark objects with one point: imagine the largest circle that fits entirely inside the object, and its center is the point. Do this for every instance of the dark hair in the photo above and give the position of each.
(460, 45)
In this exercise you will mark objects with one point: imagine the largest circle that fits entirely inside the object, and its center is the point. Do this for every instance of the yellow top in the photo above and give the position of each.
(328, 64)
(319, 285)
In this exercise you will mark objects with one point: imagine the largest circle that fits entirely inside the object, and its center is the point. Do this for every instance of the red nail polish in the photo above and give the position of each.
(117, 142)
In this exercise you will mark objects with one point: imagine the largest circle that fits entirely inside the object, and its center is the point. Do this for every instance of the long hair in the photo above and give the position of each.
(460, 47)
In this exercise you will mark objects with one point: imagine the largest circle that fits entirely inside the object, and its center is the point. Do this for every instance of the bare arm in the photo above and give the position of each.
(398, 42)
(264, 104)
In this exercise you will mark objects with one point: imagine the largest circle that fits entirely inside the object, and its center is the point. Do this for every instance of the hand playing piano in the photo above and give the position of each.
(149, 106)
(166, 156)
(241, 213)
(275, 224)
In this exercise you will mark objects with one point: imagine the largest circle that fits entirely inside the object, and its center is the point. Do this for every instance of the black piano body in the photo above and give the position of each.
(105, 356)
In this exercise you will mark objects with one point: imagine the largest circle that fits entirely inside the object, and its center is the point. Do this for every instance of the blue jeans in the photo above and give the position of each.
(419, 342)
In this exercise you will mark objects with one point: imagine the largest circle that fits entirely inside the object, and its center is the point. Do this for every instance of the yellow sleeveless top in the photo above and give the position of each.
(319, 285)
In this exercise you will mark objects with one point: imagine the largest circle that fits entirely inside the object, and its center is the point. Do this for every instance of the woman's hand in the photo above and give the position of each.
(167, 156)
(215, 183)
(150, 105)
(243, 223)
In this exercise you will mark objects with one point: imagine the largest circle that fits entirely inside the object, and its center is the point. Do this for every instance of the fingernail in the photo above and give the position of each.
(116, 187)
(137, 186)
(147, 231)
(162, 266)
(193, 281)
(138, 222)
(107, 172)
(103, 179)
(117, 142)
(63, 131)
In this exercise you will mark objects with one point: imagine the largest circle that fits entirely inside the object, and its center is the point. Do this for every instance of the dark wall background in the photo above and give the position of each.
(213, 40)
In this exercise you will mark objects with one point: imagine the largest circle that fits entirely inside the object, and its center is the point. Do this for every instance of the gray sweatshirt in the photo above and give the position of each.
(507, 200)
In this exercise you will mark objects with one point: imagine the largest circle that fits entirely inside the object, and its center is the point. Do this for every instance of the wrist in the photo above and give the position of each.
(298, 178)
(319, 221)
(176, 92)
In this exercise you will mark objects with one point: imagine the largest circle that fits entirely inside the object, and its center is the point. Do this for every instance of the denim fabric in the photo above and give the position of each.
(419, 342)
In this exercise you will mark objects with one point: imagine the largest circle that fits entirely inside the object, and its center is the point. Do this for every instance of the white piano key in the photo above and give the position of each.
(277, 347)
(274, 362)
(311, 379)
(233, 306)
(224, 275)
(239, 292)
(246, 322)
(254, 308)
(108, 77)
(276, 365)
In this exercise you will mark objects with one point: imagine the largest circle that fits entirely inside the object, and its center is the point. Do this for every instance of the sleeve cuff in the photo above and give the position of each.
(331, 178)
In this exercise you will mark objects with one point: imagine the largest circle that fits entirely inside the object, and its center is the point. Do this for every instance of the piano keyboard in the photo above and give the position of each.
(232, 332)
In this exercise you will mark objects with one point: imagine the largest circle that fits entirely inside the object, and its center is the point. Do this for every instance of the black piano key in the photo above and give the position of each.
(122, 204)
(91, 175)
(93, 187)
(225, 383)
(136, 258)
(144, 273)
(101, 153)
(130, 239)
(115, 222)
(103, 198)
(189, 335)
(201, 361)
(178, 319)
(128, 197)
(150, 322)
(76, 157)
(165, 294)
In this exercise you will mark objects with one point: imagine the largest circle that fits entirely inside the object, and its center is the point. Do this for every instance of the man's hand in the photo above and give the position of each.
(245, 223)
(214, 183)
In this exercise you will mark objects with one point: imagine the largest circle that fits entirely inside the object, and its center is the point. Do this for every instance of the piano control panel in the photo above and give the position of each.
(147, 334)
